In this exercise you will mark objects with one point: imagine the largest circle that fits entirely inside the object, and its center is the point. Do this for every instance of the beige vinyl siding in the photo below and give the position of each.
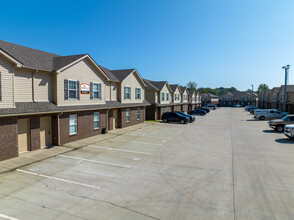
(113, 91)
(177, 92)
(84, 72)
(133, 82)
(164, 90)
(185, 93)
(193, 96)
(107, 91)
(43, 86)
(23, 89)
(6, 70)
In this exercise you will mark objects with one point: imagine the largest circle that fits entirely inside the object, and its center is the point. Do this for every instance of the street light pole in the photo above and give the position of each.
(252, 94)
(286, 68)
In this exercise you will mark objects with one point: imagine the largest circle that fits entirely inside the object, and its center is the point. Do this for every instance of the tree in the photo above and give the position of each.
(262, 87)
(192, 85)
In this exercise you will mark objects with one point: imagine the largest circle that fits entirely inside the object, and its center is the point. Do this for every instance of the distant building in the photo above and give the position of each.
(242, 98)
(208, 98)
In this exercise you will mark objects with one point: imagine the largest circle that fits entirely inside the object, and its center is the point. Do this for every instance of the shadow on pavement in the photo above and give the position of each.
(271, 131)
(284, 141)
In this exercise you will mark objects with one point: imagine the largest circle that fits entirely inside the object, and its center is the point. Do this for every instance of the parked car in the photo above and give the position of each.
(252, 111)
(209, 106)
(207, 110)
(251, 108)
(197, 112)
(289, 131)
(238, 106)
(248, 106)
(192, 118)
(269, 114)
(174, 117)
(279, 124)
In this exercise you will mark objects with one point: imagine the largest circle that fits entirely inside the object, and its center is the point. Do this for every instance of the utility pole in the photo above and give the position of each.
(286, 68)
(252, 94)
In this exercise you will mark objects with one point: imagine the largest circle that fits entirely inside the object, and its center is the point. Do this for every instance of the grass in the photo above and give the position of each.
(154, 120)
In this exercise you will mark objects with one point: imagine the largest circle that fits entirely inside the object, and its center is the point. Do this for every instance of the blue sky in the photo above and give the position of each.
(212, 42)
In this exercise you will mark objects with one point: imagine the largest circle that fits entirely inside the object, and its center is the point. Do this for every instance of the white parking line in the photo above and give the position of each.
(95, 161)
(59, 179)
(115, 149)
(137, 142)
(8, 217)
(143, 135)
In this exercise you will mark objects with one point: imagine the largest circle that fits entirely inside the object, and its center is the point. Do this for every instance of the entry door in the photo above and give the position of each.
(45, 131)
(115, 119)
(23, 135)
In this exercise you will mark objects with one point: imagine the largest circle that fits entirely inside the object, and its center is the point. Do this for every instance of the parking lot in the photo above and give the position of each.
(225, 165)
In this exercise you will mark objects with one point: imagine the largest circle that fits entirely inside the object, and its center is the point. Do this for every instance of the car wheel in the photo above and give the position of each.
(261, 117)
(182, 121)
(165, 120)
(280, 128)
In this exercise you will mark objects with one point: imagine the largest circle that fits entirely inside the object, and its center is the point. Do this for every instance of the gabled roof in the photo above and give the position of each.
(122, 74)
(149, 85)
(290, 88)
(156, 85)
(62, 61)
(183, 88)
(173, 87)
(192, 91)
(275, 90)
(108, 73)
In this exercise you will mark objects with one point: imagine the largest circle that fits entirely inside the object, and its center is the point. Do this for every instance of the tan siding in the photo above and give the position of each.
(84, 72)
(23, 86)
(165, 90)
(184, 93)
(113, 91)
(107, 91)
(43, 85)
(133, 82)
(6, 70)
(177, 92)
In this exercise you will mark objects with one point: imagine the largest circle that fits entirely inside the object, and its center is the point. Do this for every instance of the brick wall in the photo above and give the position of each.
(85, 125)
(133, 117)
(8, 138)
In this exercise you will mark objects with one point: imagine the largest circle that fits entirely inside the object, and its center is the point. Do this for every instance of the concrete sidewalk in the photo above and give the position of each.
(31, 157)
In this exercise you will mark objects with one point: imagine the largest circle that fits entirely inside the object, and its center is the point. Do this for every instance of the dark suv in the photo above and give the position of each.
(174, 117)
(192, 118)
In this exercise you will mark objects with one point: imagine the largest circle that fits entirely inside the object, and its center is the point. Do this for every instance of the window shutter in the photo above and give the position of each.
(139, 93)
(130, 92)
(78, 90)
(136, 93)
(91, 90)
(99, 89)
(65, 89)
(125, 93)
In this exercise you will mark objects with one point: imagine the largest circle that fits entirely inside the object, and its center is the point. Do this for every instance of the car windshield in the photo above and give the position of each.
(285, 118)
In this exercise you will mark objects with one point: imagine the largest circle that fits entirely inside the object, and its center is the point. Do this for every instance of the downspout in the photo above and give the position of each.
(13, 96)
(58, 128)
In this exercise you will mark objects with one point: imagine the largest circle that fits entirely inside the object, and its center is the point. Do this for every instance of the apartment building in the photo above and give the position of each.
(208, 98)
(185, 99)
(159, 95)
(176, 94)
(226, 100)
(274, 98)
(193, 99)
(242, 98)
(47, 99)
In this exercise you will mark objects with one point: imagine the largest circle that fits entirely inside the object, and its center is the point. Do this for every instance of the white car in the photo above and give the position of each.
(237, 106)
(269, 114)
(289, 131)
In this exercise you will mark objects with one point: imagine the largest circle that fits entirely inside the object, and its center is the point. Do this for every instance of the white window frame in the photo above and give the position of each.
(138, 93)
(128, 115)
(73, 124)
(95, 128)
(97, 91)
(68, 89)
(128, 92)
(138, 114)
(162, 96)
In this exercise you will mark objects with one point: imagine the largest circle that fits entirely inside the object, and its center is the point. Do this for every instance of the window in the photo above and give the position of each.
(163, 110)
(138, 93)
(96, 120)
(96, 90)
(72, 89)
(167, 109)
(138, 114)
(127, 92)
(73, 128)
(167, 96)
(128, 115)
(162, 96)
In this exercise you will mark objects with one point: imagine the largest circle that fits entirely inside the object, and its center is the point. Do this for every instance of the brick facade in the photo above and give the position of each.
(85, 125)
(133, 117)
(8, 138)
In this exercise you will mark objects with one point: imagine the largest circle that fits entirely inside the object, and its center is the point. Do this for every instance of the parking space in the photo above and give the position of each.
(222, 166)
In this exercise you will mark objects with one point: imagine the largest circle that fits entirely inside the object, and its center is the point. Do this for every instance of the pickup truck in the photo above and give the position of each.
(289, 131)
(269, 114)
(279, 124)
